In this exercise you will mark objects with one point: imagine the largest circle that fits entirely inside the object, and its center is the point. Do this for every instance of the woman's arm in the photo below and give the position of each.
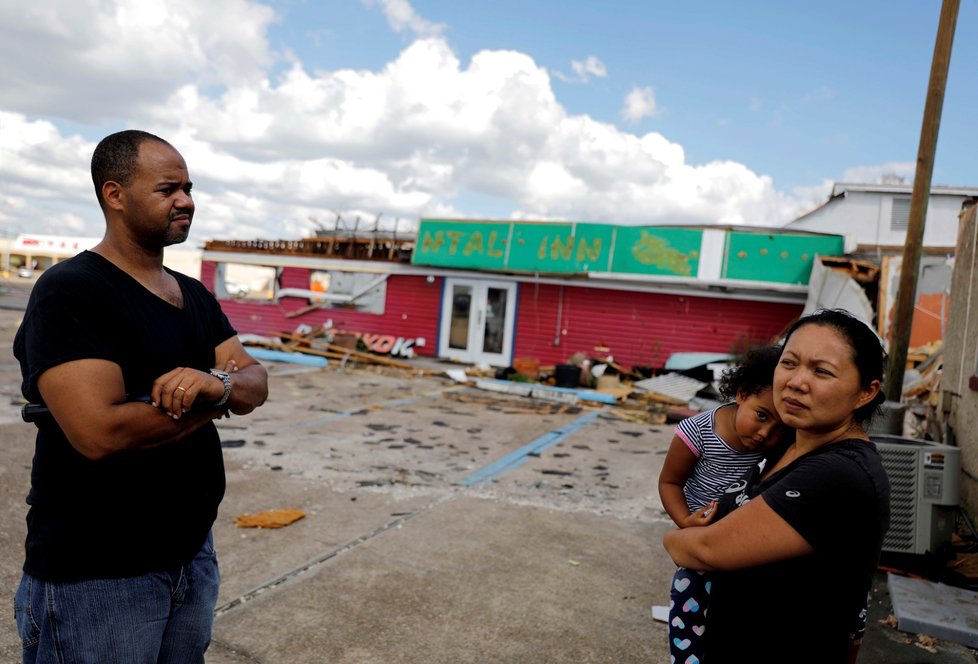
(750, 536)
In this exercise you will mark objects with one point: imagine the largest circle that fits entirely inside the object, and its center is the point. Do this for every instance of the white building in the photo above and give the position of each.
(40, 252)
(874, 217)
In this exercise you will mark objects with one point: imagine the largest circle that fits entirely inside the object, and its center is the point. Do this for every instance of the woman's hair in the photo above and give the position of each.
(752, 374)
(867, 351)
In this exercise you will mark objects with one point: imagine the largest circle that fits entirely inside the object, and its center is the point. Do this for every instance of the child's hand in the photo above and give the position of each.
(702, 517)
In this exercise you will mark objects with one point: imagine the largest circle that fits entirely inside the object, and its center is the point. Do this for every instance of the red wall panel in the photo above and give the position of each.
(410, 311)
(552, 322)
(641, 329)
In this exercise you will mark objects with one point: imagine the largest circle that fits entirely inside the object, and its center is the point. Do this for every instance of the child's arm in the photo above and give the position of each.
(676, 469)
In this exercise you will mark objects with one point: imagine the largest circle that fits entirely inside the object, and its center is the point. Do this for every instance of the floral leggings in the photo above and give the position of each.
(690, 597)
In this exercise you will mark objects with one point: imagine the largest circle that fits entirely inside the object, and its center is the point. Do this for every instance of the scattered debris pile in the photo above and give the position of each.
(324, 342)
(583, 380)
(921, 391)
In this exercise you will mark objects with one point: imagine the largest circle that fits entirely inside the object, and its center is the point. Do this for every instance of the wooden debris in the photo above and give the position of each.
(861, 271)
(928, 643)
(302, 311)
(652, 417)
(308, 343)
(921, 392)
(522, 405)
(270, 519)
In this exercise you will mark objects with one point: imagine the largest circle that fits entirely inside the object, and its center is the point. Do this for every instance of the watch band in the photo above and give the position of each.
(226, 379)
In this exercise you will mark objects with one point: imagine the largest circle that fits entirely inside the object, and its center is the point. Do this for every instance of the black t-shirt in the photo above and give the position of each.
(135, 511)
(804, 609)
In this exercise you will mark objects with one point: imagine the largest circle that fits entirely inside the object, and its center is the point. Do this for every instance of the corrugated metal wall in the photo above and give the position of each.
(642, 329)
(411, 310)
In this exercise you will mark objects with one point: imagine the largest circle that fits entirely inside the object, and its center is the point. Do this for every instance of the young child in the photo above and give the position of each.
(709, 452)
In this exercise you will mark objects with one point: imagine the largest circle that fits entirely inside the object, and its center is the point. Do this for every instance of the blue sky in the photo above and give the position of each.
(629, 112)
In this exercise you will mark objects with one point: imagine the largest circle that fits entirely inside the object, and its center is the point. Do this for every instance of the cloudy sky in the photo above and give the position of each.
(290, 112)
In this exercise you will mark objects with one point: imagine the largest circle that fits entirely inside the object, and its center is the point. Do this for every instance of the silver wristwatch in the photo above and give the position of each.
(226, 379)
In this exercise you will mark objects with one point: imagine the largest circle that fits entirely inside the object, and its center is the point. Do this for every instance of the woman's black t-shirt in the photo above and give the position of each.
(136, 511)
(804, 609)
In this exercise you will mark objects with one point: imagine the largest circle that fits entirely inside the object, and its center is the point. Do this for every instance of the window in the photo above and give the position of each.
(366, 292)
(900, 214)
(245, 282)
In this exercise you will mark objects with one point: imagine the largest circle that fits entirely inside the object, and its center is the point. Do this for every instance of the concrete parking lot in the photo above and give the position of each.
(403, 556)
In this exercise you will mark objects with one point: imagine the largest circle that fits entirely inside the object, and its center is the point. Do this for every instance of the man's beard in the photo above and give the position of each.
(175, 234)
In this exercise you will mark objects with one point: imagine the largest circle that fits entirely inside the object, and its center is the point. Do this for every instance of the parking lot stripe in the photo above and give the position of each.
(519, 457)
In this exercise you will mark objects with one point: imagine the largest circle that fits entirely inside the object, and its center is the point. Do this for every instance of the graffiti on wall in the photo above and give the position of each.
(388, 344)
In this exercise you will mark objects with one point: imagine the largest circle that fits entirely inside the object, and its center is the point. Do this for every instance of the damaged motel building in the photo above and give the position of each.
(491, 292)
(487, 292)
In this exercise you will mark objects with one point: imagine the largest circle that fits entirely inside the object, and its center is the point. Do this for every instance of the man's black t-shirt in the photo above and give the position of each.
(136, 511)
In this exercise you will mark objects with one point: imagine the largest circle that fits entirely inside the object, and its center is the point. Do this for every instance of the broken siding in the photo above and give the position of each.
(410, 310)
(642, 329)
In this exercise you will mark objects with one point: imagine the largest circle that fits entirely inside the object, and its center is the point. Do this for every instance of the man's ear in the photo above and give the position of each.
(112, 194)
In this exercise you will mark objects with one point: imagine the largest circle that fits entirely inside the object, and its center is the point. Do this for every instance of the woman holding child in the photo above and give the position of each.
(797, 541)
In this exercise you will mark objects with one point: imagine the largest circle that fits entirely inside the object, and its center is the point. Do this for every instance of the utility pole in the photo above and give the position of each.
(907, 293)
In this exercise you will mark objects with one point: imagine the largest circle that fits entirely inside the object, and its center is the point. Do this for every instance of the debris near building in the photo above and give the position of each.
(325, 342)
(921, 392)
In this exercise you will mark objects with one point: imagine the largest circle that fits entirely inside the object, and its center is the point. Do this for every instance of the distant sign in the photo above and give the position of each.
(55, 245)
(572, 248)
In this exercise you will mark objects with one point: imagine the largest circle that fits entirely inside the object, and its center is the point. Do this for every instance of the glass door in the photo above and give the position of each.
(477, 321)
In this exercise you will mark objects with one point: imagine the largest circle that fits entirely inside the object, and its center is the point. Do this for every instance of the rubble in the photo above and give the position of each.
(921, 392)
(278, 518)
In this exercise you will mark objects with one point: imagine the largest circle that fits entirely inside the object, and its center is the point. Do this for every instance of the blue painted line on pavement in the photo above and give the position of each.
(519, 457)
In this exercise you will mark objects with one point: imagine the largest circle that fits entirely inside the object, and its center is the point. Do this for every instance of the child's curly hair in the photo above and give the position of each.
(752, 374)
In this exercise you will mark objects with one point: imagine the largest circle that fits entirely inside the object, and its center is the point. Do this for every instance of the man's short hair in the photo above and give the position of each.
(115, 158)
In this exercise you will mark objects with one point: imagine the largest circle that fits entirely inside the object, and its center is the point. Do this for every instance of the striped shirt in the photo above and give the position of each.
(717, 463)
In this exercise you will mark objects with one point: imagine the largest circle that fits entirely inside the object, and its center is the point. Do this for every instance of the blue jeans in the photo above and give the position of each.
(149, 619)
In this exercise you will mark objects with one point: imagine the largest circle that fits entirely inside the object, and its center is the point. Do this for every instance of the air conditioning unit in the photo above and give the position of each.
(923, 493)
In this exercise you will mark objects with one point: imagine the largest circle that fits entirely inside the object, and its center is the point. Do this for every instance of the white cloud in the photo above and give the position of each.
(584, 70)
(591, 66)
(889, 172)
(267, 150)
(93, 61)
(639, 103)
(402, 18)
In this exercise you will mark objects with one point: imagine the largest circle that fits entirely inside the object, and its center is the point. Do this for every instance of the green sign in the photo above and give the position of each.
(562, 248)
(665, 251)
(571, 248)
(462, 244)
(783, 258)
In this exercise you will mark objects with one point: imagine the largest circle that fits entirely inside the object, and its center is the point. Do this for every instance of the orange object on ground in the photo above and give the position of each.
(270, 518)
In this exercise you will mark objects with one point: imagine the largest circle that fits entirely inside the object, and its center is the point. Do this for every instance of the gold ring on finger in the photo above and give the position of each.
(182, 389)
